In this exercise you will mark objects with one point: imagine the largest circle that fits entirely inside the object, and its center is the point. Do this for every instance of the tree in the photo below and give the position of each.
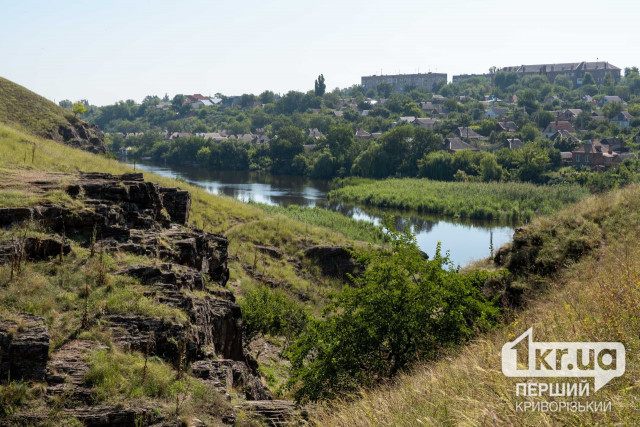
(79, 108)
(65, 103)
(384, 89)
(402, 308)
(320, 86)
(588, 79)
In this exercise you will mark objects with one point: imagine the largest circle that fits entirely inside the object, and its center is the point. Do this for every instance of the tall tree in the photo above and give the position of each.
(320, 86)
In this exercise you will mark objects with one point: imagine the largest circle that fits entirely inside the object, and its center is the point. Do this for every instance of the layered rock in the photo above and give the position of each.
(24, 347)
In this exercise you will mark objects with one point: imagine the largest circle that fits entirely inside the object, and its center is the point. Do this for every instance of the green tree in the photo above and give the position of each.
(79, 108)
(320, 85)
(587, 79)
(384, 89)
(402, 308)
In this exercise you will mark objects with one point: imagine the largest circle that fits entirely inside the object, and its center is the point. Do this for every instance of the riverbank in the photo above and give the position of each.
(511, 201)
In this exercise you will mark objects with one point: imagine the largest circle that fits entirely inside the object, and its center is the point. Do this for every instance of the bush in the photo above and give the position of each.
(271, 312)
(403, 308)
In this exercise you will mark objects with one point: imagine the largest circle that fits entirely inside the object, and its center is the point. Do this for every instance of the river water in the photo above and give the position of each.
(466, 240)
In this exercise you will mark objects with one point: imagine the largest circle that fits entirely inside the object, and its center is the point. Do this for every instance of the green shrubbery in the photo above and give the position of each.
(403, 308)
(271, 312)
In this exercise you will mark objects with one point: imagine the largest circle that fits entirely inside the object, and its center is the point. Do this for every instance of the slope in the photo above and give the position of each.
(593, 299)
(35, 115)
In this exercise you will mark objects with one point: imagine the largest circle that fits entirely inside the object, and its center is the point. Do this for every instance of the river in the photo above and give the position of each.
(466, 240)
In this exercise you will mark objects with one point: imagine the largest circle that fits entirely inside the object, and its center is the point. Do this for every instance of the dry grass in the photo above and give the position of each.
(596, 299)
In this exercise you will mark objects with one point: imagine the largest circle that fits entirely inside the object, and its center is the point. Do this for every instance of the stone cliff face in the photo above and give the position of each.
(127, 214)
(83, 135)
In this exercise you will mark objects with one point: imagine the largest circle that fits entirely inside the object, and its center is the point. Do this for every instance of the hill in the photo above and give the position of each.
(35, 115)
(593, 297)
(94, 296)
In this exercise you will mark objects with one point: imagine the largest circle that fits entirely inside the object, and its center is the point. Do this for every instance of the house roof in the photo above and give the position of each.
(425, 121)
(565, 134)
(560, 125)
(509, 126)
(407, 119)
(361, 133)
(467, 132)
(592, 147)
(314, 133)
(513, 143)
(624, 115)
(456, 144)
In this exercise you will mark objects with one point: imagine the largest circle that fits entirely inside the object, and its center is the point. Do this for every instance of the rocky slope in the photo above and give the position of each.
(126, 215)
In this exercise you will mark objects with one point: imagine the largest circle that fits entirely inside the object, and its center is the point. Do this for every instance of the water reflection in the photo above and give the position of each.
(466, 240)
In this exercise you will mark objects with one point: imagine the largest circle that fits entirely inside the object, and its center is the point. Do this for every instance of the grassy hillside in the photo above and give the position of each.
(247, 227)
(595, 299)
(28, 111)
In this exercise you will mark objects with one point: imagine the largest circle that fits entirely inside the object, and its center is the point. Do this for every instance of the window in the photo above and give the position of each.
(577, 158)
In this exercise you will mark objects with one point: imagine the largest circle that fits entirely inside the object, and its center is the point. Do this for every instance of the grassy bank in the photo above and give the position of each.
(349, 227)
(506, 201)
(595, 299)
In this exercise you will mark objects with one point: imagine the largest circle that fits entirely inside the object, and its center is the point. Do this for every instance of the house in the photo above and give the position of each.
(362, 134)
(554, 127)
(608, 99)
(506, 126)
(566, 157)
(163, 105)
(595, 155)
(456, 144)
(569, 114)
(617, 144)
(176, 135)
(622, 119)
(314, 133)
(566, 135)
(428, 107)
(214, 136)
(513, 144)
(438, 99)
(470, 134)
(262, 139)
(408, 119)
(376, 135)
(575, 71)
(426, 122)
(495, 112)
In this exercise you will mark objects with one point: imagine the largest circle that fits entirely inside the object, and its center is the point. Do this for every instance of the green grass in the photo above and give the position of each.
(30, 112)
(504, 201)
(349, 227)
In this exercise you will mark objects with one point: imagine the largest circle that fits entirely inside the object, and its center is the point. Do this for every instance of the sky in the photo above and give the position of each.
(105, 51)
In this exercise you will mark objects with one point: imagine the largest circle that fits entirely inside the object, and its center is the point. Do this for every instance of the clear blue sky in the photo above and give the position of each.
(105, 51)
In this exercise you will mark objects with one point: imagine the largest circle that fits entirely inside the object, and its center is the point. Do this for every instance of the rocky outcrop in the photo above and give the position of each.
(79, 134)
(177, 202)
(335, 261)
(272, 412)
(229, 375)
(24, 347)
(187, 270)
(67, 369)
(33, 249)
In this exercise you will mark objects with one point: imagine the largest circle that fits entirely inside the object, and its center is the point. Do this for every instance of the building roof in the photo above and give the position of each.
(456, 144)
(513, 143)
(467, 132)
(565, 134)
(567, 66)
(499, 111)
(560, 125)
(592, 147)
(361, 133)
